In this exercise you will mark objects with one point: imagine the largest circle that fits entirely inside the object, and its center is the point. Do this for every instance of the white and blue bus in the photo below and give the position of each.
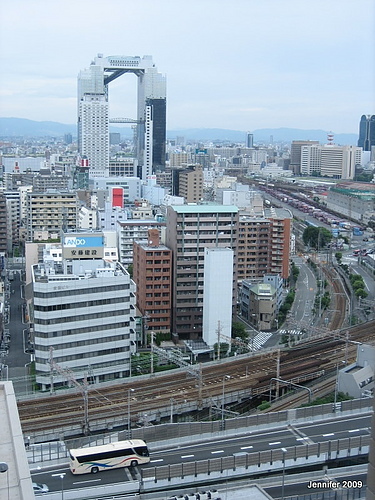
(108, 456)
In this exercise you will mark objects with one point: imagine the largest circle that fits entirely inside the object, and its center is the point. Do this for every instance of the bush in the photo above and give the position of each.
(264, 405)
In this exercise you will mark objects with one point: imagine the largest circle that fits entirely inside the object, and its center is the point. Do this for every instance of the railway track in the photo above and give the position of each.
(253, 371)
(339, 297)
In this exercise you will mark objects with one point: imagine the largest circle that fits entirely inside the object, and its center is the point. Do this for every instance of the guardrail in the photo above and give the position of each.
(165, 435)
(164, 432)
(250, 463)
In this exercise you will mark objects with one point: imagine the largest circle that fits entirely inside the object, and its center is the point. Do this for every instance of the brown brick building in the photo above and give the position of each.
(152, 273)
(263, 245)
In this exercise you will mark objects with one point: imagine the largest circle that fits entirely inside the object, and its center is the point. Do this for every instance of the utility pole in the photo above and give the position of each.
(277, 373)
(82, 387)
(51, 364)
(200, 383)
(152, 353)
(218, 340)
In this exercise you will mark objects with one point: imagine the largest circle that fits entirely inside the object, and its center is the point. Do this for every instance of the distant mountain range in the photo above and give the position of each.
(21, 127)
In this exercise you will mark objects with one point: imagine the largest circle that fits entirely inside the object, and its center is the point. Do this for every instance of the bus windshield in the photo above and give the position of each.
(108, 456)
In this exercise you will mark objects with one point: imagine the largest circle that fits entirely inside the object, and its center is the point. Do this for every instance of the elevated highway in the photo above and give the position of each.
(304, 438)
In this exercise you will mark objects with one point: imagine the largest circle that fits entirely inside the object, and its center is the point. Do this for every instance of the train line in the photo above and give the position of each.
(339, 297)
(251, 372)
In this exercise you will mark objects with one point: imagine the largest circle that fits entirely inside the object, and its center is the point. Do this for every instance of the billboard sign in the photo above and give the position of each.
(83, 246)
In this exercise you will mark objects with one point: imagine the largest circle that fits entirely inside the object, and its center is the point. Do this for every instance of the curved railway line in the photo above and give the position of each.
(339, 297)
(250, 372)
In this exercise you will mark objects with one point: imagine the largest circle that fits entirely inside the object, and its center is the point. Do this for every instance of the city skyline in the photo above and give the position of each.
(253, 66)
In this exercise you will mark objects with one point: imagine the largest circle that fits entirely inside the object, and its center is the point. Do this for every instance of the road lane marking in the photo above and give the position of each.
(218, 451)
(276, 442)
(187, 456)
(329, 434)
(88, 481)
(354, 430)
(158, 460)
(246, 447)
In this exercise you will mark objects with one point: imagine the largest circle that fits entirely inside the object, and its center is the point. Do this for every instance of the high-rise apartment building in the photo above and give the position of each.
(84, 314)
(51, 212)
(152, 273)
(263, 244)
(3, 224)
(191, 229)
(13, 210)
(366, 132)
(179, 158)
(130, 230)
(93, 112)
(190, 184)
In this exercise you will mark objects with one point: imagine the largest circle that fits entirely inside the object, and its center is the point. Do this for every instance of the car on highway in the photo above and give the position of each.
(40, 488)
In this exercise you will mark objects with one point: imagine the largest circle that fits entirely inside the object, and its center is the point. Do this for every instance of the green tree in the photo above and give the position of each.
(316, 237)
(239, 331)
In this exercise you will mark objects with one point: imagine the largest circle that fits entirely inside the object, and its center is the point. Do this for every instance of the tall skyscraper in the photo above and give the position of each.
(366, 132)
(93, 112)
(249, 140)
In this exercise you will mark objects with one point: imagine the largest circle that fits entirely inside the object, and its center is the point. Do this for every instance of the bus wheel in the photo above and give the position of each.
(133, 463)
(94, 470)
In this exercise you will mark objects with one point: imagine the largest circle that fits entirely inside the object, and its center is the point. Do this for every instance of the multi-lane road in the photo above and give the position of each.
(251, 441)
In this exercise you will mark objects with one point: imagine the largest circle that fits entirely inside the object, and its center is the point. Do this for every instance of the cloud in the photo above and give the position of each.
(272, 62)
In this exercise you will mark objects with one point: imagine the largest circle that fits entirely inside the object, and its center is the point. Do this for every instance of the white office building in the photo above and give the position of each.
(132, 186)
(330, 160)
(84, 314)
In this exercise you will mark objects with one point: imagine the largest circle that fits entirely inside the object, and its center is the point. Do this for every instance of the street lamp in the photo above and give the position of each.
(171, 417)
(225, 377)
(336, 385)
(61, 476)
(284, 450)
(129, 420)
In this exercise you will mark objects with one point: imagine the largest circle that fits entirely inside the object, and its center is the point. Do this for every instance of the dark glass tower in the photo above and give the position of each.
(366, 132)
(159, 117)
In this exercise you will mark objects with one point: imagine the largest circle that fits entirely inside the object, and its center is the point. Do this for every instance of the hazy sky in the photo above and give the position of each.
(236, 64)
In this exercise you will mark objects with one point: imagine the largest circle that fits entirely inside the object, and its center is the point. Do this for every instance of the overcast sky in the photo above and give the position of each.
(235, 64)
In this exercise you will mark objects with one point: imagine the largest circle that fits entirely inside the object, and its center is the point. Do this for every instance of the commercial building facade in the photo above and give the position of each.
(352, 199)
(191, 229)
(84, 319)
(330, 160)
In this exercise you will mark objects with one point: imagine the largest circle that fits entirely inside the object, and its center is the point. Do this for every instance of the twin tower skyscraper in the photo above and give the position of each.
(94, 119)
